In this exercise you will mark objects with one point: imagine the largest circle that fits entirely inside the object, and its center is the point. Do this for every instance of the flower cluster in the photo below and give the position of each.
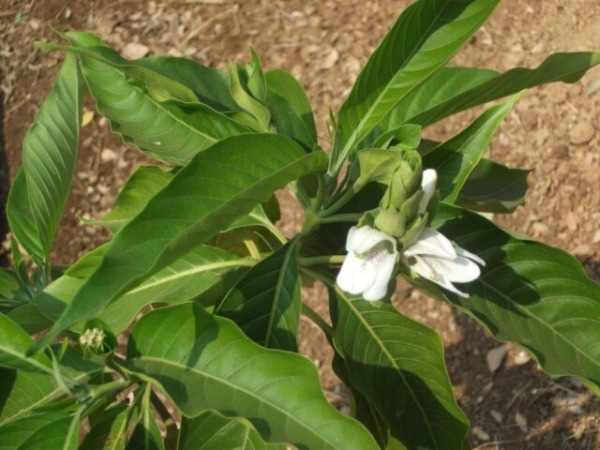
(373, 254)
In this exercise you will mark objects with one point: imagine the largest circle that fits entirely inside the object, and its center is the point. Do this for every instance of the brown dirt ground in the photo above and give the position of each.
(554, 129)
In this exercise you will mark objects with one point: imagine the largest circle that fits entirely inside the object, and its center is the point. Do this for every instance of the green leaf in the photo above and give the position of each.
(216, 188)
(494, 188)
(290, 107)
(266, 302)
(407, 136)
(378, 165)
(30, 318)
(213, 431)
(144, 184)
(183, 280)
(256, 115)
(529, 293)
(206, 362)
(171, 131)
(456, 158)
(146, 435)
(110, 429)
(22, 393)
(54, 430)
(455, 89)
(14, 342)
(40, 190)
(399, 366)
(425, 36)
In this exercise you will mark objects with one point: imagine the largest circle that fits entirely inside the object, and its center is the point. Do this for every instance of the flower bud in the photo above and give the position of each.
(92, 338)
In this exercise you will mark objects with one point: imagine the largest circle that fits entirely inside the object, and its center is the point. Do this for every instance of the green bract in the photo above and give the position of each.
(206, 290)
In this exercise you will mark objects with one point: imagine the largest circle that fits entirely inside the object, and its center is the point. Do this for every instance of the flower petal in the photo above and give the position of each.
(361, 240)
(423, 269)
(428, 183)
(460, 269)
(356, 274)
(462, 252)
(385, 269)
(432, 242)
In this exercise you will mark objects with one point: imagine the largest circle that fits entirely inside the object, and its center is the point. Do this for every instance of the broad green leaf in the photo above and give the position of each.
(14, 342)
(206, 362)
(407, 136)
(146, 435)
(529, 293)
(455, 89)
(398, 365)
(183, 280)
(109, 430)
(216, 188)
(456, 158)
(40, 190)
(22, 392)
(54, 430)
(266, 302)
(213, 431)
(30, 318)
(291, 110)
(254, 113)
(494, 188)
(144, 184)
(171, 131)
(378, 165)
(425, 36)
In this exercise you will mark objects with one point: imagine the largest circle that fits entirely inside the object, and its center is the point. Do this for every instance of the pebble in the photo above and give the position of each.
(561, 151)
(495, 357)
(521, 422)
(330, 60)
(135, 50)
(522, 357)
(498, 417)
(593, 86)
(596, 238)
(582, 133)
(480, 434)
(539, 229)
(108, 155)
(571, 221)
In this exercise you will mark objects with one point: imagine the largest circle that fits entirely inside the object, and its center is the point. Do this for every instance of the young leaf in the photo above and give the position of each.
(425, 36)
(399, 366)
(456, 158)
(206, 362)
(265, 303)
(454, 89)
(39, 194)
(213, 431)
(217, 187)
(494, 188)
(291, 111)
(109, 429)
(54, 430)
(529, 293)
(171, 131)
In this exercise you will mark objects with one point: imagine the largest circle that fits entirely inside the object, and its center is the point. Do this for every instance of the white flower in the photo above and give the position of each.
(428, 182)
(434, 257)
(370, 263)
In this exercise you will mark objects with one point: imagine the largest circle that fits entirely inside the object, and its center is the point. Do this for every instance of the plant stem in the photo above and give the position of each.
(345, 198)
(318, 202)
(341, 218)
(317, 319)
(109, 388)
(316, 260)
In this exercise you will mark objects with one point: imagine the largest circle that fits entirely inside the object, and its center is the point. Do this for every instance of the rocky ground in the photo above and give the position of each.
(554, 130)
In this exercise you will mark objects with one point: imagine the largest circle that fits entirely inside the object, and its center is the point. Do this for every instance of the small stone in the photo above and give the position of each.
(330, 60)
(582, 250)
(522, 357)
(498, 417)
(480, 434)
(521, 422)
(87, 117)
(529, 119)
(539, 229)
(571, 221)
(593, 86)
(35, 24)
(537, 49)
(576, 409)
(108, 155)
(582, 133)
(504, 140)
(495, 357)
(596, 238)
(556, 93)
(135, 50)
(561, 151)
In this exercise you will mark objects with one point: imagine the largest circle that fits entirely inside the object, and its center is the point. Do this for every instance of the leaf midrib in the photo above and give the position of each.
(393, 361)
(278, 288)
(232, 386)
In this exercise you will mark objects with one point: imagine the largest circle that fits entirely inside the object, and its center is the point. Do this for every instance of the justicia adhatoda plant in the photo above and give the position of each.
(194, 237)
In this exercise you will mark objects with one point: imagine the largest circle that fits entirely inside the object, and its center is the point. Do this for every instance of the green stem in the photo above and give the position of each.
(345, 198)
(109, 388)
(317, 319)
(320, 194)
(316, 260)
(341, 218)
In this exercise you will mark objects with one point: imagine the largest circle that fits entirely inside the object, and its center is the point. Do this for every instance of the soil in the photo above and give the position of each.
(554, 130)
